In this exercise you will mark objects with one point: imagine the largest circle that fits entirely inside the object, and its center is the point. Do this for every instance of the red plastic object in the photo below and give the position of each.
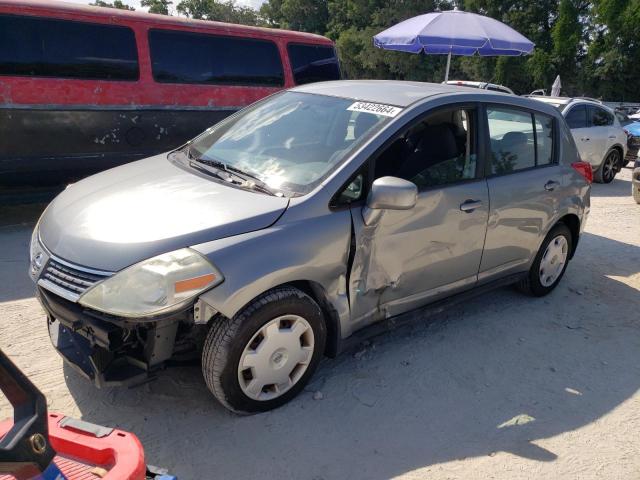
(584, 169)
(79, 453)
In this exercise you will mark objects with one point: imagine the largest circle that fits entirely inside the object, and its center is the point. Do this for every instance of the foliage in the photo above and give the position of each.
(116, 4)
(157, 6)
(221, 11)
(594, 45)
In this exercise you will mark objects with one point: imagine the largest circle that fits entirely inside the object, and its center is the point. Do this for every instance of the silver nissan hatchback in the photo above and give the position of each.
(270, 239)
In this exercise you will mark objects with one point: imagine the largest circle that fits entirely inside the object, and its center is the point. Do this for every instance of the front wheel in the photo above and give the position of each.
(609, 168)
(265, 355)
(550, 263)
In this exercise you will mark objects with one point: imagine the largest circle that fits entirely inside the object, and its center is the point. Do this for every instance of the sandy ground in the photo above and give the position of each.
(503, 387)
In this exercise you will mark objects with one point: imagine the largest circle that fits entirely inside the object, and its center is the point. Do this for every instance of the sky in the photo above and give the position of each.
(136, 3)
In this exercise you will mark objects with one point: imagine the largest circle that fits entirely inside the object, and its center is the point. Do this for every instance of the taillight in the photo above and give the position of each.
(584, 169)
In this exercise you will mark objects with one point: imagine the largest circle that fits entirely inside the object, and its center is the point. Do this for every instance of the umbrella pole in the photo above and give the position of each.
(446, 74)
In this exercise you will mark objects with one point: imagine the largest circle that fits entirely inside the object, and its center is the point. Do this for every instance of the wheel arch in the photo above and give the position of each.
(620, 150)
(319, 295)
(572, 221)
(329, 313)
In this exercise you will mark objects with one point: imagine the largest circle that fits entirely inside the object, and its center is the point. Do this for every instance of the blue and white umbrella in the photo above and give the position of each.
(454, 32)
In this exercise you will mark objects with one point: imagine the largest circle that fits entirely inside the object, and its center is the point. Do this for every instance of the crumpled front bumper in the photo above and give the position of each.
(97, 349)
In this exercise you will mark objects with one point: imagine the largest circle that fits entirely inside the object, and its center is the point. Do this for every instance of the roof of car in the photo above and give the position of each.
(552, 100)
(390, 92)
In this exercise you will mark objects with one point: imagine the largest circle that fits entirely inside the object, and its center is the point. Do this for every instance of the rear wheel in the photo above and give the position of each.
(550, 263)
(609, 168)
(264, 356)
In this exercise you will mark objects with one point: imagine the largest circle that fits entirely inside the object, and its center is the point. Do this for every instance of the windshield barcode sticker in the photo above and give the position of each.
(375, 108)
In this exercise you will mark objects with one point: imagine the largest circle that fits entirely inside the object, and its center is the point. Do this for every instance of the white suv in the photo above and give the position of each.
(600, 138)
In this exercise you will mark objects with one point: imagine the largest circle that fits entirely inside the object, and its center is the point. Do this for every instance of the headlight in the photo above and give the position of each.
(157, 285)
(37, 255)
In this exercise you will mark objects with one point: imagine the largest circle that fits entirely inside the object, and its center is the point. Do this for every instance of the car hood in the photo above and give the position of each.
(122, 216)
(633, 128)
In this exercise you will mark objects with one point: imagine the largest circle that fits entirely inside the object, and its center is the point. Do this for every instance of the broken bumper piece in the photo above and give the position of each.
(107, 352)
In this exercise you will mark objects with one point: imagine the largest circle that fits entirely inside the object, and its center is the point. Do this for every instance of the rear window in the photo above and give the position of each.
(600, 117)
(313, 63)
(45, 47)
(184, 57)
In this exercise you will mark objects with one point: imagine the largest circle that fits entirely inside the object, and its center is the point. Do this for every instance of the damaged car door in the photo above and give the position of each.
(405, 255)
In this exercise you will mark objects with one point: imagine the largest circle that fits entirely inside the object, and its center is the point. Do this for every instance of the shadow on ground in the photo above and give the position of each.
(496, 374)
(620, 187)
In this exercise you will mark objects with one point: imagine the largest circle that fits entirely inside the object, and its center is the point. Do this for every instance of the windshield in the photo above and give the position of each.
(291, 141)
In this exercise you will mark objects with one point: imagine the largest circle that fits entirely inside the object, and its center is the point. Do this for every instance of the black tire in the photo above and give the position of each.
(610, 166)
(531, 284)
(227, 339)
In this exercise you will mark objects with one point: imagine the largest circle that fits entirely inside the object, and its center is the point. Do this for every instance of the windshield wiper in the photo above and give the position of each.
(250, 180)
(203, 167)
(216, 168)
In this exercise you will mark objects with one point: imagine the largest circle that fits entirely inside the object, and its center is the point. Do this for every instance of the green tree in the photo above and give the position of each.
(116, 4)
(301, 15)
(221, 11)
(157, 6)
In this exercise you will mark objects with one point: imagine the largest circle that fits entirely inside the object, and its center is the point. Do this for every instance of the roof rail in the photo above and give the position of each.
(589, 99)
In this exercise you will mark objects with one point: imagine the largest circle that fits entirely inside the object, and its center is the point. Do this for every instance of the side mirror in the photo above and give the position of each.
(389, 193)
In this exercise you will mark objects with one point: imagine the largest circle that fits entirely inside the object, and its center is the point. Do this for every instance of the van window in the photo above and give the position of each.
(313, 63)
(184, 57)
(577, 117)
(46, 47)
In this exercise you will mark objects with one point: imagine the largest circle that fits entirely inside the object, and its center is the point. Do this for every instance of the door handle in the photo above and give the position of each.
(551, 185)
(470, 205)
(585, 139)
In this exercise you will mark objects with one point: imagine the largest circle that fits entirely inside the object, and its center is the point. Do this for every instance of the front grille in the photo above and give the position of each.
(69, 281)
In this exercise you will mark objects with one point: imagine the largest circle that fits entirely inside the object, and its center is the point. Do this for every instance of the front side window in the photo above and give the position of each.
(313, 63)
(439, 150)
(46, 47)
(185, 57)
(600, 117)
(577, 117)
(290, 141)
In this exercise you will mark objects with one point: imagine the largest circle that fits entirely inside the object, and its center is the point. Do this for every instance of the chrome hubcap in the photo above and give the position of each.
(553, 260)
(276, 357)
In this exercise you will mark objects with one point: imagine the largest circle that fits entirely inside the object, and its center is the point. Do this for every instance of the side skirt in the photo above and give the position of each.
(424, 313)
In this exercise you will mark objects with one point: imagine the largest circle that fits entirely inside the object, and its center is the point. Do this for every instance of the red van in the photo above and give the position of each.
(85, 88)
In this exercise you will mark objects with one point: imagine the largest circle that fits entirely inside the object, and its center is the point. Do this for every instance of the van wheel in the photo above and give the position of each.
(264, 356)
(609, 167)
(550, 263)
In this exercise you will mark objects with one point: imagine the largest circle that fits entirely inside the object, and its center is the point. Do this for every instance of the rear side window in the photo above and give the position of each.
(184, 57)
(313, 63)
(544, 139)
(45, 47)
(577, 117)
(519, 139)
(600, 117)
